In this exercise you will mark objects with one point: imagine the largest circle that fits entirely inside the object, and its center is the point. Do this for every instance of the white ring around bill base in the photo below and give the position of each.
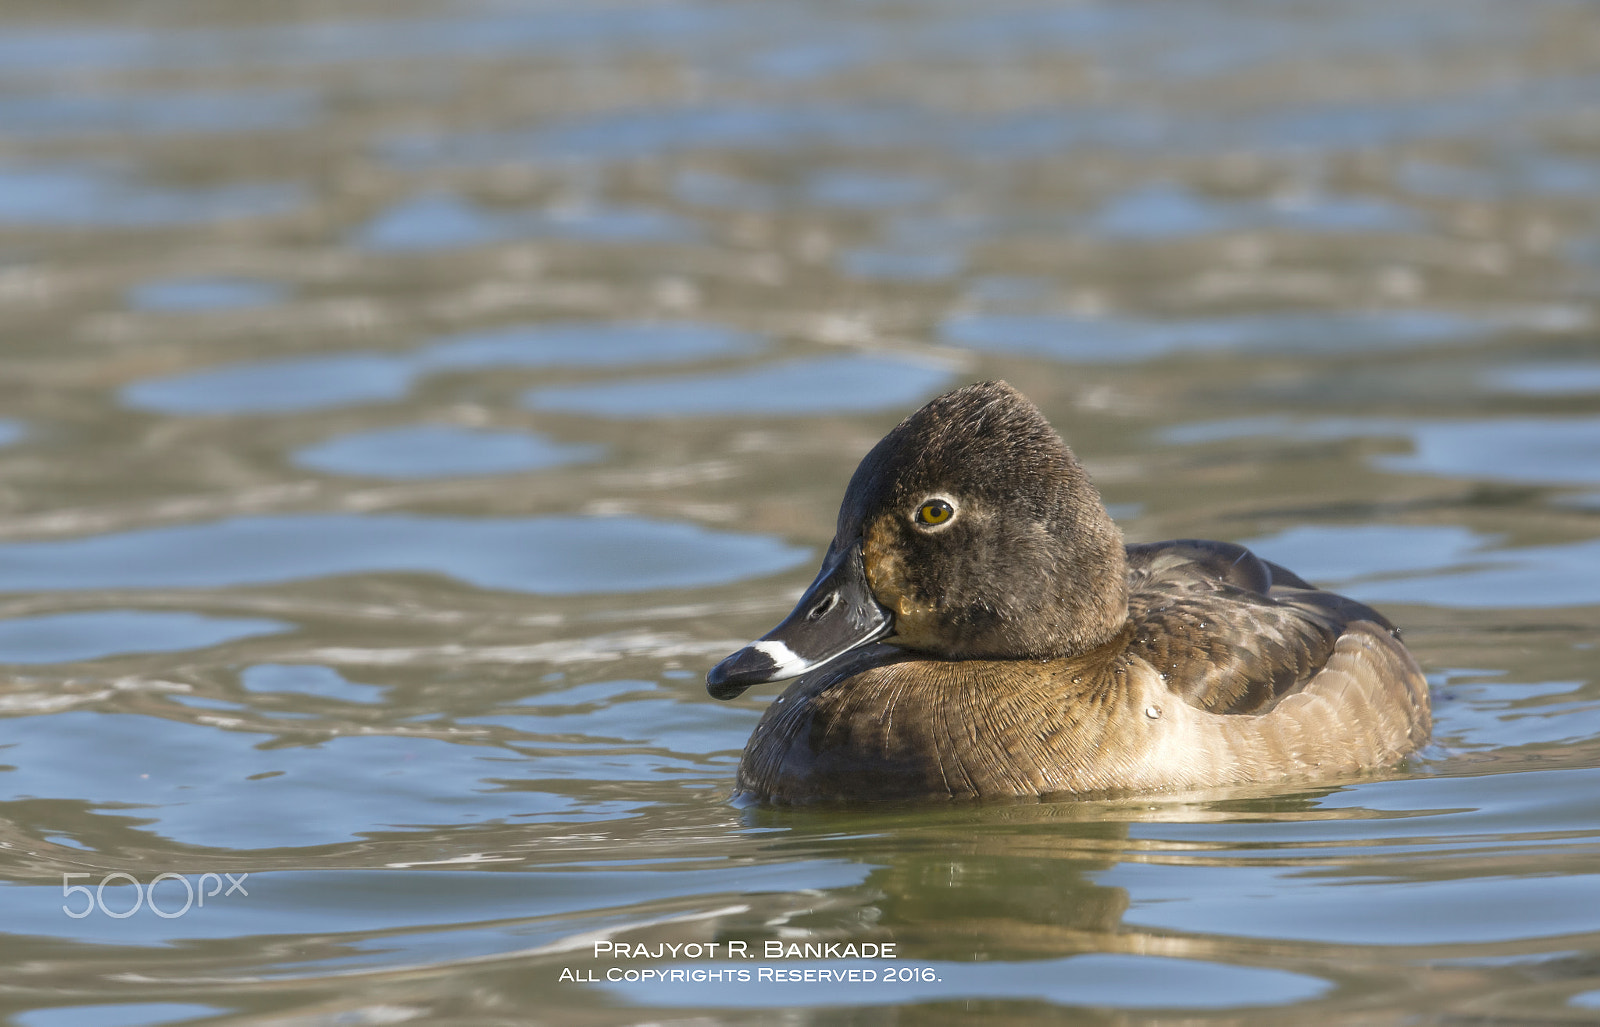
(788, 664)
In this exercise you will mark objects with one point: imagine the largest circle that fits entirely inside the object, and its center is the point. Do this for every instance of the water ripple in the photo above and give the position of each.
(791, 388)
(84, 197)
(197, 294)
(343, 379)
(1107, 340)
(1542, 450)
(64, 637)
(439, 451)
(550, 555)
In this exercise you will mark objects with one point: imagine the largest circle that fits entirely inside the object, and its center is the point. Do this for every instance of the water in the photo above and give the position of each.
(403, 405)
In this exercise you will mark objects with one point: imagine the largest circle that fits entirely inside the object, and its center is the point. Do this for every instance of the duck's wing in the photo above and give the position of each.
(1231, 632)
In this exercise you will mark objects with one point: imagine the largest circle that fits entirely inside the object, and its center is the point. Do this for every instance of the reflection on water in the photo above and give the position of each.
(1442, 566)
(1517, 171)
(1519, 713)
(1118, 340)
(184, 294)
(305, 679)
(401, 406)
(554, 555)
(160, 113)
(586, 344)
(1131, 982)
(228, 789)
(1546, 379)
(1540, 450)
(426, 222)
(129, 1014)
(798, 387)
(1326, 553)
(444, 222)
(65, 637)
(1161, 211)
(1532, 577)
(905, 265)
(277, 386)
(653, 131)
(867, 191)
(439, 451)
(335, 380)
(88, 197)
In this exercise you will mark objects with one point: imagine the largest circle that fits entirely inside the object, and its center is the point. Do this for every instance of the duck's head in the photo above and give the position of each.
(969, 532)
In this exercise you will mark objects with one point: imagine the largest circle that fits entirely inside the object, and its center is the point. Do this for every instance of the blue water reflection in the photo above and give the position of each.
(1107, 340)
(635, 713)
(1101, 979)
(1546, 378)
(1300, 128)
(617, 224)
(1346, 551)
(200, 294)
(82, 196)
(12, 432)
(1442, 565)
(1492, 714)
(650, 132)
(791, 388)
(224, 789)
(307, 679)
(344, 379)
(586, 344)
(550, 555)
(709, 189)
(1553, 451)
(277, 386)
(1282, 901)
(57, 48)
(1533, 450)
(866, 190)
(65, 113)
(1263, 902)
(1528, 577)
(439, 451)
(433, 221)
(446, 221)
(63, 637)
(904, 265)
(348, 903)
(1166, 210)
(126, 1014)
(1513, 173)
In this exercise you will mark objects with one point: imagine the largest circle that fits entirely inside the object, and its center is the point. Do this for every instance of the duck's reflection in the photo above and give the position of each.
(988, 882)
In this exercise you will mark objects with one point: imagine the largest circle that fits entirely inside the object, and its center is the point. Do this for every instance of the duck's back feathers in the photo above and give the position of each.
(1231, 632)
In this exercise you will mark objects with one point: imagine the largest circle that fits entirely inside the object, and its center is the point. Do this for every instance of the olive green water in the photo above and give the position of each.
(402, 405)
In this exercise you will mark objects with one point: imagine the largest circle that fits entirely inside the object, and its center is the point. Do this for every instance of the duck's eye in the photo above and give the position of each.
(934, 512)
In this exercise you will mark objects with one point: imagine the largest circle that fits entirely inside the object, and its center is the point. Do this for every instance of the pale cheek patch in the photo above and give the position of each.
(786, 663)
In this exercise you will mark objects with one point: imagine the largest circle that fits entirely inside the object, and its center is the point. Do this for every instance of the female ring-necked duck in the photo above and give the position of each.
(979, 629)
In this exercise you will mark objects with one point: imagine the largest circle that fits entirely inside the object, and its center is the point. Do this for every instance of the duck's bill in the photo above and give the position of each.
(837, 614)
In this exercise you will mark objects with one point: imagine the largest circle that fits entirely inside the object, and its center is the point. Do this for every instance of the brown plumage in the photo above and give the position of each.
(1031, 653)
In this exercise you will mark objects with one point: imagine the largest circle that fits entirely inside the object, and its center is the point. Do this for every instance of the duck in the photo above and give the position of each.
(980, 630)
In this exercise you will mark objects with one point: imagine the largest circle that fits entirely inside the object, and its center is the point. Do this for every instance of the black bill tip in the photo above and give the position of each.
(755, 664)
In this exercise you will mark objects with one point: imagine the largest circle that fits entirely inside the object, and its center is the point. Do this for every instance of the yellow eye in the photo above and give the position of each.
(934, 512)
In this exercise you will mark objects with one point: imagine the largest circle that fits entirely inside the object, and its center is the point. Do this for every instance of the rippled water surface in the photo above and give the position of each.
(403, 404)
